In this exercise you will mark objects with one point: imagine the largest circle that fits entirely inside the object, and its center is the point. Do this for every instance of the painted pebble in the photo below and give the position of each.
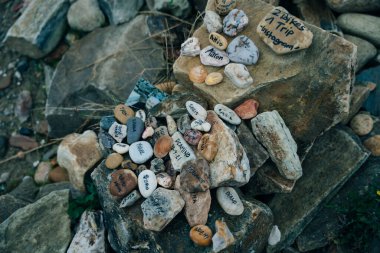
(147, 183)
(218, 41)
(130, 199)
(120, 148)
(196, 110)
(122, 113)
(234, 22)
(118, 131)
(229, 200)
(141, 114)
(227, 114)
(181, 152)
(122, 182)
(243, 50)
(140, 152)
(201, 235)
(211, 56)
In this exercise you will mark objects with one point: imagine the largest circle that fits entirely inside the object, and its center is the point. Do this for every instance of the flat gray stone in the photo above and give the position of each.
(366, 51)
(120, 11)
(8, 205)
(354, 5)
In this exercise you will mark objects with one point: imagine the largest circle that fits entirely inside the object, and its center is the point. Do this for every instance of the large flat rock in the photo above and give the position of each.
(309, 88)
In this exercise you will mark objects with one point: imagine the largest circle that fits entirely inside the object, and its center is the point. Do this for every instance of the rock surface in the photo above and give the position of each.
(179, 8)
(195, 176)
(85, 15)
(353, 5)
(119, 11)
(366, 51)
(242, 50)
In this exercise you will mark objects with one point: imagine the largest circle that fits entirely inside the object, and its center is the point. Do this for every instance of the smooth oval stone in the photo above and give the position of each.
(164, 180)
(128, 164)
(224, 6)
(201, 125)
(229, 200)
(183, 123)
(227, 114)
(195, 176)
(122, 113)
(113, 160)
(135, 129)
(238, 74)
(243, 50)
(248, 109)
(214, 78)
(361, 124)
(373, 145)
(211, 56)
(190, 47)
(234, 22)
(201, 235)
(160, 131)
(212, 21)
(208, 146)
(140, 152)
(106, 122)
(162, 146)
(118, 131)
(274, 236)
(122, 182)
(41, 176)
(196, 110)
(192, 136)
(172, 126)
(147, 183)
(130, 199)
(218, 41)
(198, 74)
(141, 114)
(148, 132)
(157, 165)
(181, 152)
(120, 148)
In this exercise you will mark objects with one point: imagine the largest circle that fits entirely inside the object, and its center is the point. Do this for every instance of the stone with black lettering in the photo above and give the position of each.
(195, 176)
(122, 113)
(210, 56)
(208, 146)
(130, 199)
(181, 152)
(227, 114)
(192, 136)
(122, 182)
(135, 128)
(196, 110)
(218, 41)
(238, 74)
(140, 152)
(243, 50)
(234, 22)
(200, 125)
(141, 114)
(183, 123)
(147, 183)
(212, 21)
(190, 47)
(283, 32)
(118, 131)
(201, 235)
(120, 148)
(229, 200)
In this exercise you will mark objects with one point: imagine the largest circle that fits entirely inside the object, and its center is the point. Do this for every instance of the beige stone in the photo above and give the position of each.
(373, 145)
(123, 113)
(214, 78)
(201, 235)
(218, 41)
(114, 160)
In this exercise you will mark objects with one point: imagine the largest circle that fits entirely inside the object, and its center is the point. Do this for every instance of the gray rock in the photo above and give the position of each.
(135, 127)
(361, 25)
(49, 188)
(106, 122)
(43, 226)
(213, 22)
(323, 175)
(184, 123)
(120, 11)
(354, 5)
(270, 129)
(179, 8)
(26, 190)
(99, 76)
(85, 15)
(235, 21)
(157, 165)
(366, 51)
(8, 205)
(39, 29)
(242, 50)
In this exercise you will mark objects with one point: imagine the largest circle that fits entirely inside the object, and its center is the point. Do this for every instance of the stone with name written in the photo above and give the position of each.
(113, 160)
(192, 136)
(200, 125)
(181, 152)
(243, 50)
(161, 208)
(212, 21)
(229, 200)
(120, 148)
(140, 152)
(208, 146)
(147, 183)
(164, 180)
(227, 114)
(172, 126)
(283, 32)
(218, 41)
(248, 109)
(122, 113)
(141, 114)
(195, 176)
(118, 131)
(197, 206)
(135, 128)
(190, 47)
(223, 236)
(196, 111)
(183, 123)
(211, 56)
(157, 165)
(122, 182)
(201, 235)
(224, 6)
(130, 199)
(238, 74)
(234, 22)
(163, 146)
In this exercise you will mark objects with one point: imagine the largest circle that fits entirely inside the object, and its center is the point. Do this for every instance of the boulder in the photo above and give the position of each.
(85, 77)
(39, 29)
(281, 82)
(85, 15)
(120, 11)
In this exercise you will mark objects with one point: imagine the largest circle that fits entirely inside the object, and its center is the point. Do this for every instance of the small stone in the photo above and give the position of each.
(159, 132)
(361, 124)
(23, 105)
(85, 15)
(238, 74)
(118, 131)
(208, 146)
(200, 125)
(157, 165)
(274, 236)
(218, 41)
(140, 169)
(284, 37)
(248, 109)
(229, 200)
(198, 74)
(5, 80)
(148, 132)
(201, 235)
(141, 114)
(23, 142)
(190, 47)
(196, 110)
(243, 50)
(130, 199)
(227, 114)
(184, 123)
(151, 122)
(120, 148)
(3, 146)
(147, 183)
(211, 56)
(164, 180)
(197, 206)
(128, 164)
(234, 22)
(151, 102)
(195, 176)
(135, 129)
(192, 136)
(172, 126)
(42, 127)
(223, 236)
(181, 152)
(106, 140)
(214, 78)
(162, 146)
(213, 22)
(373, 145)
(26, 131)
(140, 152)
(224, 6)
(106, 122)
(113, 160)
(42, 173)
(161, 208)
(123, 113)
(58, 174)
(122, 182)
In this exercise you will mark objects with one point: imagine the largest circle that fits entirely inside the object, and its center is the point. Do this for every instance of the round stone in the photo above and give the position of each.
(164, 180)
(196, 110)
(227, 114)
(128, 164)
(218, 41)
(41, 176)
(248, 109)
(120, 148)
(208, 146)
(148, 132)
(224, 6)
(234, 22)
(212, 21)
(373, 145)
(192, 136)
(211, 56)
(122, 182)
(113, 160)
(229, 200)
(135, 128)
(243, 50)
(238, 74)
(122, 113)
(201, 125)
(201, 235)
(190, 47)
(140, 152)
(147, 183)
(361, 124)
(58, 174)
(163, 146)
(198, 74)
(214, 78)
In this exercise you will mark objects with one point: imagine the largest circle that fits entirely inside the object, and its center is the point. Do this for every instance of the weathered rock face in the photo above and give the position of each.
(282, 83)
(39, 29)
(43, 226)
(85, 75)
(323, 175)
(8, 205)
(119, 11)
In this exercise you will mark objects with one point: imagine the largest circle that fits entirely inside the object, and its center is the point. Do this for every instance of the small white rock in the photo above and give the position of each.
(130, 199)
(201, 125)
(148, 132)
(120, 148)
(147, 183)
(227, 114)
(141, 114)
(164, 180)
(238, 74)
(181, 152)
(190, 47)
(196, 110)
(172, 126)
(213, 22)
(210, 56)
(274, 236)
(140, 152)
(229, 200)
(118, 131)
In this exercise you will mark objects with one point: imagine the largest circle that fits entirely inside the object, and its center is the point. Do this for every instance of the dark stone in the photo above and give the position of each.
(8, 205)
(48, 188)
(23, 64)
(106, 122)
(165, 30)
(105, 139)
(372, 104)
(26, 190)
(120, 11)
(135, 127)
(3, 146)
(26, 131)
